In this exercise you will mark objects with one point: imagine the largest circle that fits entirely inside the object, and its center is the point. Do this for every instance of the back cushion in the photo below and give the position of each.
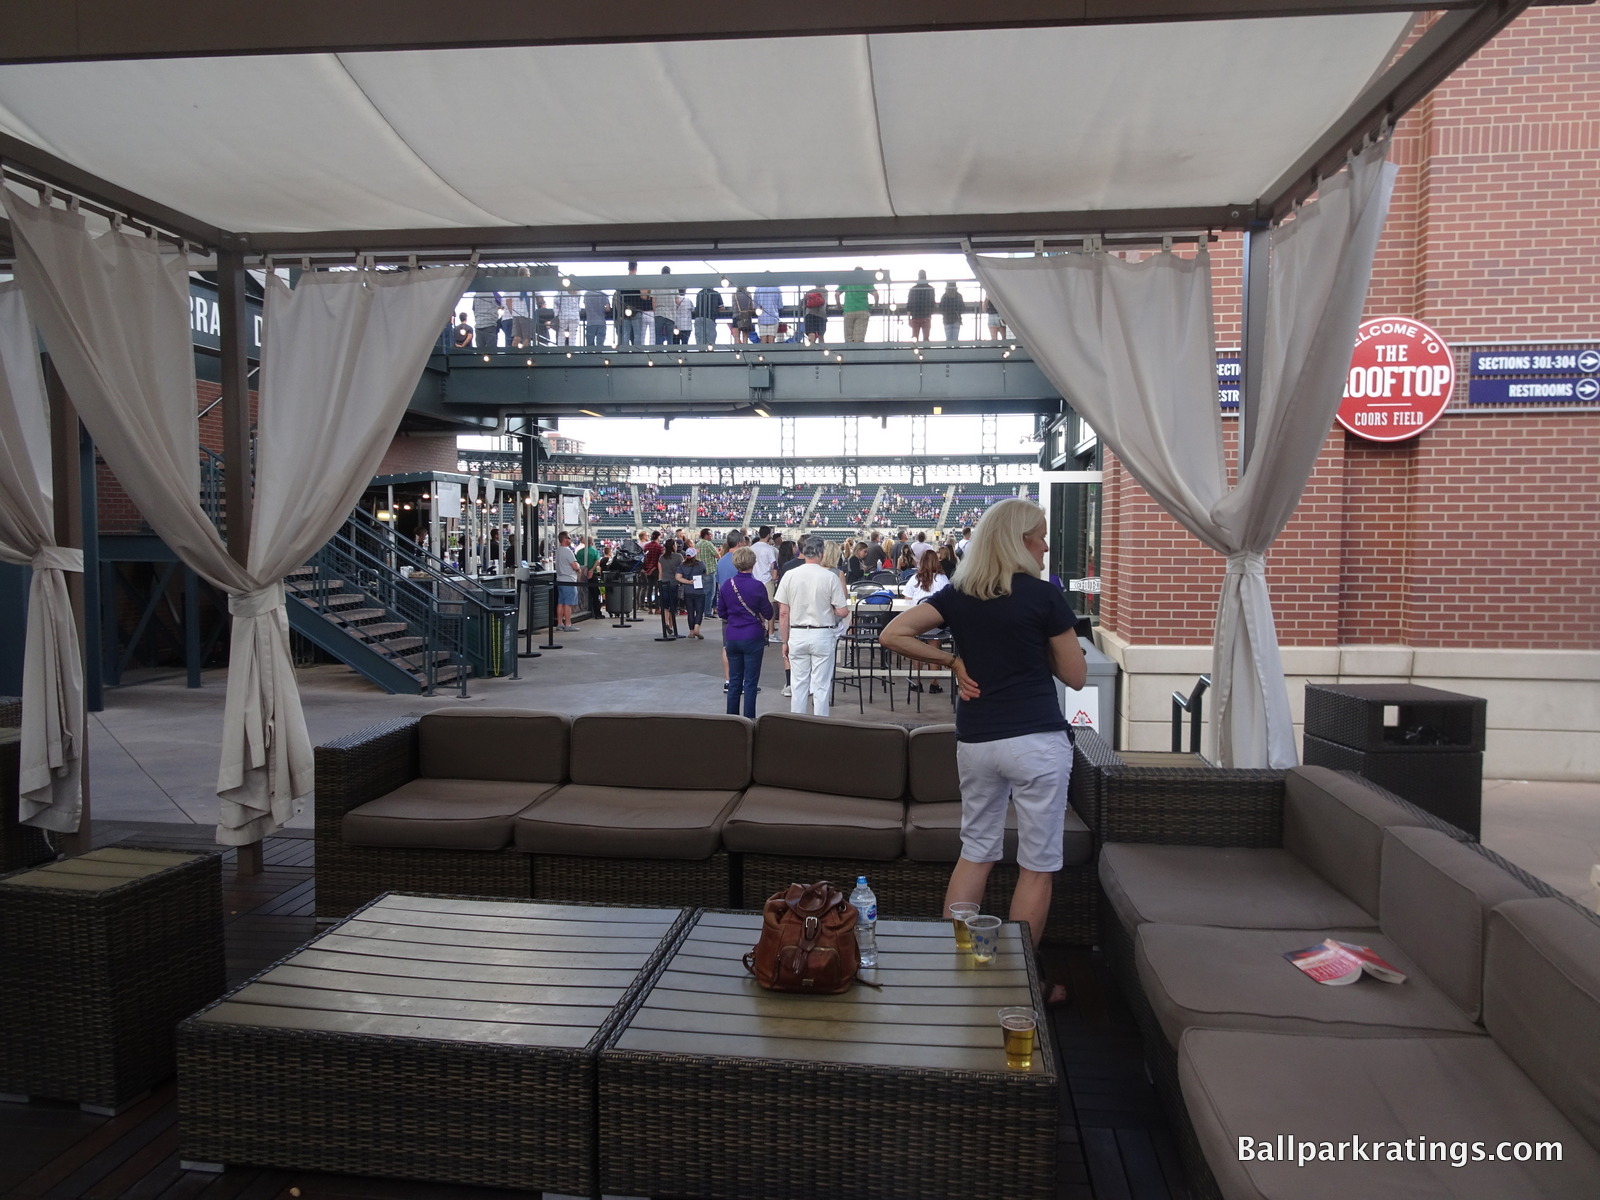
(825, 754)
(931, 764)
(494, 743)
(648, 750)
(1434, 901)
(1334, 824)
(1541, 1001)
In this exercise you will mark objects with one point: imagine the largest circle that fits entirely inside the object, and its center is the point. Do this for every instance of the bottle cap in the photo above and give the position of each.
(861, 881)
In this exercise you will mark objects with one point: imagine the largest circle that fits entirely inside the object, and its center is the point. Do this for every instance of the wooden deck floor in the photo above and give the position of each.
(1114, 1140)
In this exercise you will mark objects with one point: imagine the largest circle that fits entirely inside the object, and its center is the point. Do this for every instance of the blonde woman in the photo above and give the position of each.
(1014, 638)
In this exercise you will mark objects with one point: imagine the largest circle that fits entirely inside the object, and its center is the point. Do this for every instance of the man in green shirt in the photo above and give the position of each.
(706, 550)
(587, 558)
(856, 299)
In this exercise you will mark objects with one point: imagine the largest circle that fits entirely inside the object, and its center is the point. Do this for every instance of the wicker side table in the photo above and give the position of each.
(100, 957)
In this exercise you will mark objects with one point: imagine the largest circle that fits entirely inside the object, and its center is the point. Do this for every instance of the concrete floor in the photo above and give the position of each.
(153, 750)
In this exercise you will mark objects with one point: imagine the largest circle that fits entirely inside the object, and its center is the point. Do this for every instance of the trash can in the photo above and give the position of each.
(499, 645)
(1419, 742)
(1095, 706)
(619, 592)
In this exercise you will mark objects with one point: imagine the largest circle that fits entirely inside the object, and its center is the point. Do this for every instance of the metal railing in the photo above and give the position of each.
(432, 609)
(1192, 704)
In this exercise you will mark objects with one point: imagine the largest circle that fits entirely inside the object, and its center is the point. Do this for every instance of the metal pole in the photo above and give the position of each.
(1253, 339)
(67, 487)
(93, 666)
(233, 318)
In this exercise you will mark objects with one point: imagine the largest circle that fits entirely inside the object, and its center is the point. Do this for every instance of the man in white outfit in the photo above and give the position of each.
(811, 602)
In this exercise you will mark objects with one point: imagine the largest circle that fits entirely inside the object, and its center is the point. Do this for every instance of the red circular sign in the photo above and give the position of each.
(1400, 380)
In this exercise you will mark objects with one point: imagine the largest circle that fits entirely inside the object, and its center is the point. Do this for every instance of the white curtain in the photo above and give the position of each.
(340, 357)
(1133, 348)
(52, 670)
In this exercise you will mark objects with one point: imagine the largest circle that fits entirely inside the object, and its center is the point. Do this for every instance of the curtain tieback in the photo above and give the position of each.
(57, 558)
(257, 603)
(1247, 562)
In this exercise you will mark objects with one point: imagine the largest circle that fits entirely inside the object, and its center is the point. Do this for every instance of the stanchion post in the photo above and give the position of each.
(550, 644)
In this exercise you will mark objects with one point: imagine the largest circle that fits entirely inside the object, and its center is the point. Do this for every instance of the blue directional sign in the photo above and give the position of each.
(1535, 375)
(1228, 383)
(1573, 360)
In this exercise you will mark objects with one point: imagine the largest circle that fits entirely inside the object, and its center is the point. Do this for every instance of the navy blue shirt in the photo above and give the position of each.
(1004, 645)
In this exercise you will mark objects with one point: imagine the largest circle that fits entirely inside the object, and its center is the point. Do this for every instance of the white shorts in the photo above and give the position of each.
(1031, 772)
(767, 330)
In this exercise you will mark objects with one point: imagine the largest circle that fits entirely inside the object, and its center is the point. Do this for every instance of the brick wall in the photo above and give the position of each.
(1485, 530)
(412, 453)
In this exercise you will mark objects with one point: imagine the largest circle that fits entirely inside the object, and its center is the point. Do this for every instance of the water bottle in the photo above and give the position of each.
(866, 905)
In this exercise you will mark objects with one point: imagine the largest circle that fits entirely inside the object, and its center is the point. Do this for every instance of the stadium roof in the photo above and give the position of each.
(604, 130)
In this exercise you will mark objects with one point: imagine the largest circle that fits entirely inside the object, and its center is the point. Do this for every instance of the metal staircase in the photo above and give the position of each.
(396, 614)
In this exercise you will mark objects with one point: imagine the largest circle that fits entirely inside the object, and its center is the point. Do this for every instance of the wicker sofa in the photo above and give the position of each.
(1495, 1035)
(505, 802)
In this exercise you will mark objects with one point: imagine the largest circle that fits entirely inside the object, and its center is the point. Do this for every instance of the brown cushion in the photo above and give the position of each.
(1199, 975)
(626, 822)
(1541, 1002)
(786, 821)
(1208, 885)
(933, 834)
(455, 814)
(931, 767)
(825, 754)
(1334, 824)
(493, 743)
(1238, 1083)
(1436, 894)
(641, 750)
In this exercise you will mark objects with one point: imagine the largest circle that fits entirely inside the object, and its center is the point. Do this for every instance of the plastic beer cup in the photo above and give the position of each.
(985, 934)
(1018, 1026)
(958, 914)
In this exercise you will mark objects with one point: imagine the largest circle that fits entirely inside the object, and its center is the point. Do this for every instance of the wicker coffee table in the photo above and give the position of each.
(100, 957)
(423, 1037)
(712, 1087)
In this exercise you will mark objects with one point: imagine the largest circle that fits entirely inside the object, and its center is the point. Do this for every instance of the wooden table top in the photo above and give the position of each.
(936, 1009)
(101, 870)
(507, 972)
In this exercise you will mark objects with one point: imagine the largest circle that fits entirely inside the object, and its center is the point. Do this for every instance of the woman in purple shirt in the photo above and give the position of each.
(745, 610)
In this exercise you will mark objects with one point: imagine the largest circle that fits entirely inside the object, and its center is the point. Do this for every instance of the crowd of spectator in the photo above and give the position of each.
(842, 508)
(662, 314)
(912, 506)
(967, 505)
(665, 505)
(724, 505)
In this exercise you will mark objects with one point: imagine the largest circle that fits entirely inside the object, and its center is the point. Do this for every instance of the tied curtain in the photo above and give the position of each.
(52, 667)
(341, 354)
(1133, 348)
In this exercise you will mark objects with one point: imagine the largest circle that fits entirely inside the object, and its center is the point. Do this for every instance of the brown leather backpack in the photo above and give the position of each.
(808, 941)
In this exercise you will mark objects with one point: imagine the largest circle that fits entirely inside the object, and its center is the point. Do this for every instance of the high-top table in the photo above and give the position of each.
(423, 1037)
(100, 957)
(713, 1087)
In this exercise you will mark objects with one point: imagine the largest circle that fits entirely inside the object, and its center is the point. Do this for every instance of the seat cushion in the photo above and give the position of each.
(1434, 901)
(1208, 885)
(771, 820)
(933, 776)
(830, 755)
(442, 814)
(1334, 824)
(1436, 1090)
(933, 834)
(1215, 978)
(635, 750)
(625, 822)
(1541, 1002)
(493, 743)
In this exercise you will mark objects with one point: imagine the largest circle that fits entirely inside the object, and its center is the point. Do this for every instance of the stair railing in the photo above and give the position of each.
(1192, 704)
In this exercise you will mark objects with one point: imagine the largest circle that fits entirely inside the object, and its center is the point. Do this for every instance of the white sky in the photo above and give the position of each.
(814, 436)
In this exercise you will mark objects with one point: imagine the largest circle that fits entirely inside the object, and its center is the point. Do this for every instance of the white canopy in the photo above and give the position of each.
(1084, 119)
